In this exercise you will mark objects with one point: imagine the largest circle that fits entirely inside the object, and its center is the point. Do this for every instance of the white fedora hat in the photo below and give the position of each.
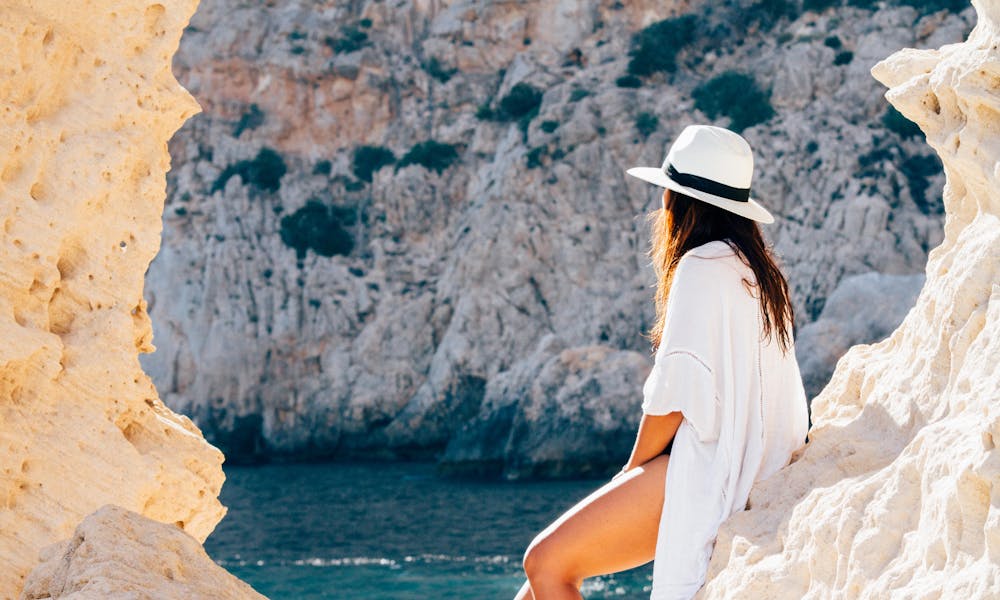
(712, 164)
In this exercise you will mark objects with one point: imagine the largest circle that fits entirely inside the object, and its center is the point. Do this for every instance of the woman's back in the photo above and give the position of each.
(780, 417)
(742, 400)
(786, 414)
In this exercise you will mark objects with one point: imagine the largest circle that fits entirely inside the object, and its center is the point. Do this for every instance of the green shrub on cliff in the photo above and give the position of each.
(895, 122)
(320, 228)
(252, 119)
(646, 123)
(351, 39)
(734, 95)
(533, 159)
(264, 172)
(368, 159)
(628, 81)
(843, 58)
(918, 170)
(322, 167)
(522, 99)
(522, 103)
(655, 47)
(484, 112)
(769, 12)
(438, 71)
(431, 155)
(819, 5)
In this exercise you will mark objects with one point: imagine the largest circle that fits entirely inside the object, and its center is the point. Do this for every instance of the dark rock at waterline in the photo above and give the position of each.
(559, 413)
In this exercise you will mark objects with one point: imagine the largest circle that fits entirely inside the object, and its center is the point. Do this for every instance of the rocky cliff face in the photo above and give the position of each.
(896, 491)
(863, 308)
(89, 102)
(316, 297)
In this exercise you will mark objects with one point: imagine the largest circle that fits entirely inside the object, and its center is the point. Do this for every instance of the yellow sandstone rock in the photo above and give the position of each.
(897, 493)
(87, 104)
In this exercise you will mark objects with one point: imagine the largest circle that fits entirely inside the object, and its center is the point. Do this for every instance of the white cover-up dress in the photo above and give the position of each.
(743, 403)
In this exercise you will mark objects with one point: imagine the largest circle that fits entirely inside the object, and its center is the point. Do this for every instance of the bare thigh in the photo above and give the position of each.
(613, 529)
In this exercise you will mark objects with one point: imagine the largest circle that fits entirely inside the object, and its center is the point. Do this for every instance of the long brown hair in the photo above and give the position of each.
(686, 223)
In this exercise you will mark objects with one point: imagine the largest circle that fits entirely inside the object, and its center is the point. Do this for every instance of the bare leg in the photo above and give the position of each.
(613, 529)
(525, 592)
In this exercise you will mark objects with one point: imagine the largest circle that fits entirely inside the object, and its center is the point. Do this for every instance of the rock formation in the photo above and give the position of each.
(89, 104)
(864, 308)
(374, 301)
(518, 431)
(118, 553)
(896, 492)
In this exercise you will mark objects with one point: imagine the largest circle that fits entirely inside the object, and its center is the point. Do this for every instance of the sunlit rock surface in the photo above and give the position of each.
(118, 553)
(87, 104)
(896, 493)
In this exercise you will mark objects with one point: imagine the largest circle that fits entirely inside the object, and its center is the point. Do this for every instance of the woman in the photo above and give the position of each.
(723, 406)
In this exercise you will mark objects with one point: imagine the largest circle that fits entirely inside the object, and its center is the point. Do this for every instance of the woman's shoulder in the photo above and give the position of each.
(712, 258)
(713, 265)
(712, 249)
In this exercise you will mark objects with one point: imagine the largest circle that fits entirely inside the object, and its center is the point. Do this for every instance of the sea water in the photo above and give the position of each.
(390, 531)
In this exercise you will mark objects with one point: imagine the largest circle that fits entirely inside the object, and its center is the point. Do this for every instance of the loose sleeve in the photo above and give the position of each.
(680, 381)
(682, 377)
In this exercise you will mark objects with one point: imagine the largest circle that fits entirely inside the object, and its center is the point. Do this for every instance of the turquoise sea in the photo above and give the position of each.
(379, 531)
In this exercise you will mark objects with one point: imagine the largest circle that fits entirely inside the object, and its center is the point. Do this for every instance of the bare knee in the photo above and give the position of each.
(533, 557)
(542, 560)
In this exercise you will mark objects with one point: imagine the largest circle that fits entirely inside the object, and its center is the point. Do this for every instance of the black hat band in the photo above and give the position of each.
(709, 186)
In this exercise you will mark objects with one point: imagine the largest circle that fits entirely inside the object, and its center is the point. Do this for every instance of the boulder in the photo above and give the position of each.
(118, 553)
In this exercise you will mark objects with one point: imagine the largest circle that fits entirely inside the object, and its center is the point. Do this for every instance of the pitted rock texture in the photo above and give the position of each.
(88, 104)
(118, 553)
(387, 344)
(896, 493)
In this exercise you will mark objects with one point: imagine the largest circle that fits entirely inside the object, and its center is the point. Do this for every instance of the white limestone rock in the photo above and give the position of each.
(116, 553)
(895, 495)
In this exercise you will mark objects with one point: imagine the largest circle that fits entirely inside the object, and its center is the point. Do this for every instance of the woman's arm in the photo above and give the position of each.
(655, 432)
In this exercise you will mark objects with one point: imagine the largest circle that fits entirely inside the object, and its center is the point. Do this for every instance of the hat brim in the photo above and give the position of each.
(749, 209)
